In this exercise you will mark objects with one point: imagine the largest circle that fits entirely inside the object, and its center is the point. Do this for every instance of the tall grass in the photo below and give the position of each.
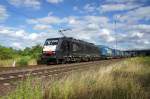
(6, 63)
(20, 61)
(129, 79)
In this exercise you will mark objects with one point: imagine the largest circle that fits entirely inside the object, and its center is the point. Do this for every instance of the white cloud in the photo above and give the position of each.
(50, 20)
(11, 32)
(3, 13)
(32, 21)
(146, 42)
(141, 28)
(117, 1)
(33, 36)
(106, 35)
(89, 21)
(19, 33)
(125, 1)
(137, 34)
(116, 7)
(26, 3)
(73, 21)
(17, 45)
(41, 27)
(54, 1)
(88, 28)
(89, 8)
(46, 20)
(141, 13)
(19, 38)
(93, 26)
(96, 19)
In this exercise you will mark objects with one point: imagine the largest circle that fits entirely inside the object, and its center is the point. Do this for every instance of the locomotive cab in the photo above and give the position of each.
(50, 46)
(54, 50)
(49, 51)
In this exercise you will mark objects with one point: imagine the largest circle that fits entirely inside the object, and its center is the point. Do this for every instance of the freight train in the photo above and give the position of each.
(66, 49)
(108, 53)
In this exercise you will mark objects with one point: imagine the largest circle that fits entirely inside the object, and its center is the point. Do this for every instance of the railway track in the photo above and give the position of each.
(10, 78)
(7, 76)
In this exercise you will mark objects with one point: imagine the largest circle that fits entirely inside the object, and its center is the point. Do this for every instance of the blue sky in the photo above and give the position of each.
(24, 23)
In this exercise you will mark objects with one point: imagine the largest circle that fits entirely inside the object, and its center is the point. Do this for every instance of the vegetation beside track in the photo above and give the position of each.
(23, 57)
(129, 79)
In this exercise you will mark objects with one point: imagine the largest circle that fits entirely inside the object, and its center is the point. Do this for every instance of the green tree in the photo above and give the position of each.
(36, 51)
(7, 53)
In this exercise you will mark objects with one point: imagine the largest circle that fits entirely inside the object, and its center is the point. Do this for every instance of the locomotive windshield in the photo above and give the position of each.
(50, 45)
(51, 42)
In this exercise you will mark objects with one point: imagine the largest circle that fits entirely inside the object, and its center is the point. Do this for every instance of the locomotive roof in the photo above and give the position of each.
(73, 39)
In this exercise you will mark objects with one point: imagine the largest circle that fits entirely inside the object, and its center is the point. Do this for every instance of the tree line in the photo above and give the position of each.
(10, 53)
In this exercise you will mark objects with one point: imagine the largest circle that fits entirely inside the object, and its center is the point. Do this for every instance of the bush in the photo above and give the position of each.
(35, 55)
(6, 53)
(23, 61)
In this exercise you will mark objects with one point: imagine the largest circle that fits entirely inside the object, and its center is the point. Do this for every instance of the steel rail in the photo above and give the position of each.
(7, 77)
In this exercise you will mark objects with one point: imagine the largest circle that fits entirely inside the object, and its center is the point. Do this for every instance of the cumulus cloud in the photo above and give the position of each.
(141, 13)
(116, 7)
(106, 35)
(25, 39)
(89, 8)
(50, 20)
(146, 42)
(145, 28)
(26, 3)
(126, 1)
(45, 20)
(17, 45)
(3, 13)
(137, 34)
(54, 1)
(41, 27)
(89, 21)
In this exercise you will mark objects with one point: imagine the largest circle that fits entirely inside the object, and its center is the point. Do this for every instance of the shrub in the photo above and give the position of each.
(23, 61)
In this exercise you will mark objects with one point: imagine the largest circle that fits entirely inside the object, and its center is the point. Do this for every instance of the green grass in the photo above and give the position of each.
(20, 61)
(129, 79)
(6, 63)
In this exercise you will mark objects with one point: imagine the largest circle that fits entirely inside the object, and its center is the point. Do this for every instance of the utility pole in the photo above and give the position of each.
(115, 32)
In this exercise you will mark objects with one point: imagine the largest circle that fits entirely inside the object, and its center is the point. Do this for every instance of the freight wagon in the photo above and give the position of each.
(105, 52)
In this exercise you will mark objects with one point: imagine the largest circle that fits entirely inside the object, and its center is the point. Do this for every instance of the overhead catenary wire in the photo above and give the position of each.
(115, 24)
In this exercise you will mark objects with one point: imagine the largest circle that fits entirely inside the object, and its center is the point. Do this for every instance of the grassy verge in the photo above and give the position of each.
(20, 61)
(129, 79)
(6, 63)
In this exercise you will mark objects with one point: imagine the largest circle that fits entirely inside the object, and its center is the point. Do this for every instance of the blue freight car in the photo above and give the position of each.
(105, 52)
(116, 53)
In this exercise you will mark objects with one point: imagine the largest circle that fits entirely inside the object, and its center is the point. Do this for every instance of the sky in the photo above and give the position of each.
(25, 23)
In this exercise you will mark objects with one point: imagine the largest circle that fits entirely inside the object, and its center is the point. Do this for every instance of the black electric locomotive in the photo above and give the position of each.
(65, 49)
